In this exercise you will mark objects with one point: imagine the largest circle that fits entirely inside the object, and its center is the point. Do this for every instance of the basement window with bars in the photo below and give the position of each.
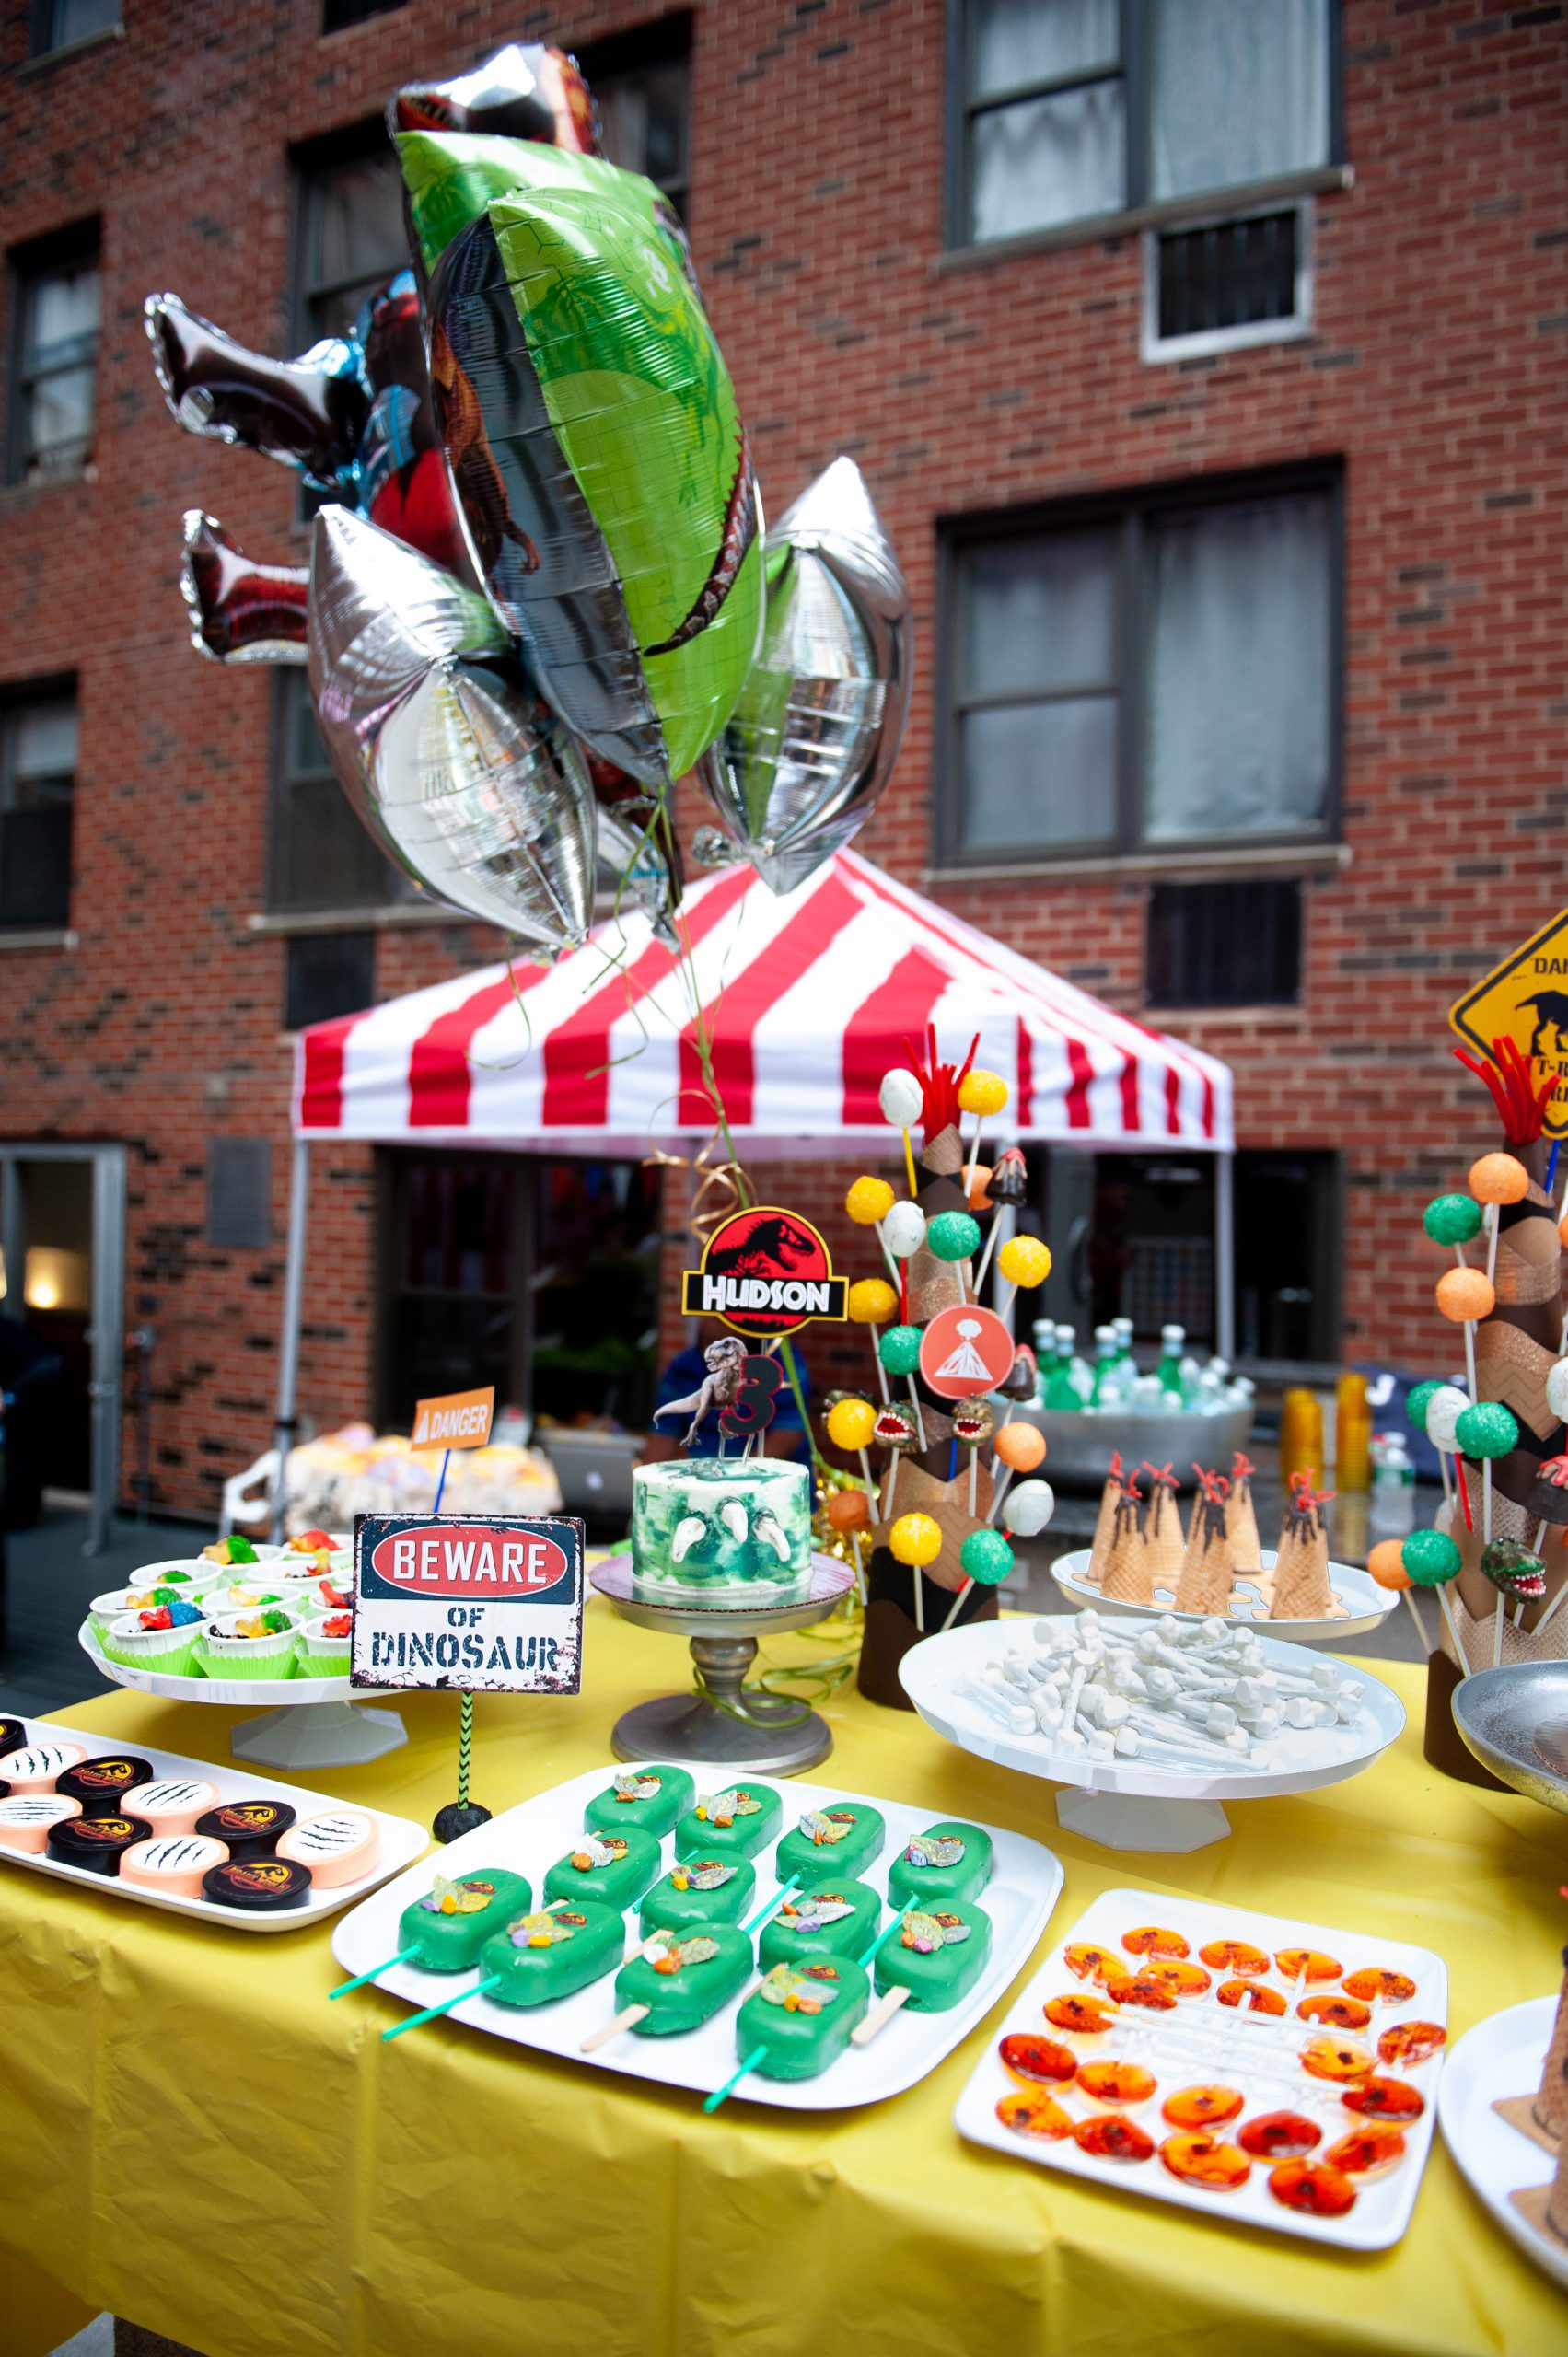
(1220, 285)
(1225, 944)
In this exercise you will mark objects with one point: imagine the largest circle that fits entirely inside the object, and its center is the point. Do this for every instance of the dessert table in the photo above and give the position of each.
(196, 2139)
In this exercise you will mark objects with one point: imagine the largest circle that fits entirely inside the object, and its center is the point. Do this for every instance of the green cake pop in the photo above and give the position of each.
(543, 1957)
(936, 1955)
(941, 1867)
(899, 1349)
(699, 1891)
(614, 1868)
(797, 2021)
(953, 1235)
(650, 1798)
(1417, 1399)
(1431, 1557)
(835, 1916)
(1451, 1219)
(735, 1823)
(681, 1980)
(841, 1839)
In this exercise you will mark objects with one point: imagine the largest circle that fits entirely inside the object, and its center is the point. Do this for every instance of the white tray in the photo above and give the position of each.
(1023, 1889)
(1269, 2077)
(1501, 2056)
(401, 1839)
(238, 1693)
(1368, 1606)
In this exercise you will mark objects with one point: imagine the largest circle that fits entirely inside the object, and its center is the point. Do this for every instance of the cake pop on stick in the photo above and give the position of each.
(1464, 1296)
(1453, 1219)
(899, 1350)
(1431, 1559)
(1496, 1179)
(1009, 1187)
(1386, 1565)
(986, 1557)
(851, 1423)
(895, 1431)
(850, 1511)
(868, 1202)
(974, 1421)
(1018, 1448)
(872, 1303)
(1443, 1408)
(982, 1093)
(902, 1101)
(1024, 1261)
(1418, 1400)
(953, 1237)
(903, 1231)
(916, 1540)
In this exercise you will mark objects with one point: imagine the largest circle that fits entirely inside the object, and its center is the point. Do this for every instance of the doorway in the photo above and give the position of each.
(62, 1304)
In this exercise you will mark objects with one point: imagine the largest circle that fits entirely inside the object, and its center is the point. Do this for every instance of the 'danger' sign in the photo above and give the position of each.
(492, 1603)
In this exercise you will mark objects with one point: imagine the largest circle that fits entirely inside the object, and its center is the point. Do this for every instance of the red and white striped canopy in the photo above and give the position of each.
(808, 1001)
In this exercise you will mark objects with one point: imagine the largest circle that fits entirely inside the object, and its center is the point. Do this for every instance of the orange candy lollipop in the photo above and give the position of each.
(1203, 2106)
(1117, 2082)
(1041, 2061)
(1090, 2017)
(1029, 2111)
(1335, 2013)
(1202, 2159)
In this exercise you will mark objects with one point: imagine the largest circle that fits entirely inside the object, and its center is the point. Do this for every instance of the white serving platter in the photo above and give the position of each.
(1502, 2055)
(1025, 1884)
(238, 1693)
(1204, 2041)
(401, 1839)
(1367, 1605)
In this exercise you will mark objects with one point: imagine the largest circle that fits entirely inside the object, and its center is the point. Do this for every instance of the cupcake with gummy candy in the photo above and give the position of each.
(243, 1596)
(261, 1642)
(164, 1637)
(325, 1646)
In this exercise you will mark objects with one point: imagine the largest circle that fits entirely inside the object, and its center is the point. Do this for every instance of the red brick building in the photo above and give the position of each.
(1205, 357)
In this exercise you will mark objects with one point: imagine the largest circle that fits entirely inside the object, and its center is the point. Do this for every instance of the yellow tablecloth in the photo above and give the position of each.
(192, 2136)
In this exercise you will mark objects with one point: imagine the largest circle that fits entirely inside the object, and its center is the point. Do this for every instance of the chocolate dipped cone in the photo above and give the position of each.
(1163, 1520)
(1301, 1589)
(939, 1284)
(1129, 1573)
(1105, 1523)
(1549, 2109)
(1240, 1517)
(1546, 2206)
(1204, 1584)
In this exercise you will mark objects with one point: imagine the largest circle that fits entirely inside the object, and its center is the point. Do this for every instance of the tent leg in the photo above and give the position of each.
(1224, 1256)
(293, 1313)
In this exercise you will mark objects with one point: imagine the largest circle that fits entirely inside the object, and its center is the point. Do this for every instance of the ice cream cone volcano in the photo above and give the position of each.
(1301, 1589)
(1240, 1518)
(1129, 1573)
(1204, 1584)
(1164, 1524)
(1104, 1522)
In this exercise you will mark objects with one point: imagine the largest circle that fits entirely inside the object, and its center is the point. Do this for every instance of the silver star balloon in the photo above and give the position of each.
(814, 738)
(447, 756)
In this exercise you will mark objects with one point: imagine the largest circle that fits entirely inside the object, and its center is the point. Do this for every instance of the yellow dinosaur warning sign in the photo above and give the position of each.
(1526, 1000)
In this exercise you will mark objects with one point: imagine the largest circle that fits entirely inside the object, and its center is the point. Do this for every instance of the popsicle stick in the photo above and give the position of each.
(892, 1264)
(974, 1476)
(881, 1371)
(1551, 1609)
(1447, 1611)
(881, 2012)
(919, 1599)
(627, 2018)
(909, 1167)
(1494, 1222)
(404, 1955)
(711, 2103)
(770, 1906)
(914, 1403)
(1470, 1355)
(955, 1609)
(974, 1157)
(1497, 1633)
(434, 2013)
(859, 1566)
(985, 1255)
(1419, 1625)
(999, 1493)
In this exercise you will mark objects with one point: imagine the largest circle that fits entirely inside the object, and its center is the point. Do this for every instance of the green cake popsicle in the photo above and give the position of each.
(833, 1916)
(732, 1824)
(797, 2021)
(938, 1956)
(941, 1867)
(842, 1838)
(649, 1798)
(685, 1980)
(540, 1958)
(614, 1868)
(697, 1892)
(444, 1930)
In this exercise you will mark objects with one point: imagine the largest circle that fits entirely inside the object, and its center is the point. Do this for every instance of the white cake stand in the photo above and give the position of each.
(1367, 1605)
(771, 1735)
(315, 1721)
(1129, 1805)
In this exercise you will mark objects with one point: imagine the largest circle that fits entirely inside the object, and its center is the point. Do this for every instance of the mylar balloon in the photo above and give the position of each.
(240, 611)
(309, 412)
(400, 468)
(525, 91)
(813, 739)
(596, 445)
(438, 742)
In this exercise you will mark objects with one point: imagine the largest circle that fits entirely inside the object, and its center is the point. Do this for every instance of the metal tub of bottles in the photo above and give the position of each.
(1179, 1413)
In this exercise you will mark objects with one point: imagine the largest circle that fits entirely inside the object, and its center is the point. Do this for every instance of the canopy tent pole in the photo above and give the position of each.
(293, 1314)
(1225, 1255)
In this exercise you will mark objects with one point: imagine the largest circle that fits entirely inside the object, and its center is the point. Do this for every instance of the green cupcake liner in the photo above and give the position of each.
(251, 1663)
(311, 1664)
(177, 1661)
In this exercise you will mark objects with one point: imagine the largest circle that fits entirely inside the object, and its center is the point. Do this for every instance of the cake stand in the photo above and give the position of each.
(1515, 1721)
(771, 1735)
(1132, 1805)
(1365, 1604)
(315, 1721)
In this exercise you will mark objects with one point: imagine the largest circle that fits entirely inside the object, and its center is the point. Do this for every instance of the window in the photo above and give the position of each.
(239, 1193)
(642, 85)
(38, 776)
(352, 235)
(1226, 944)
(1146, 674)
(1070, 109)
(338, 15)
(60, 24)
(1220, 284)
(57, 360)
(322, 857)
(326, 975)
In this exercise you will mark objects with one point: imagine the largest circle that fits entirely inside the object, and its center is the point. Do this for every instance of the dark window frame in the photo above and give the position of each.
(40, 32)
(366, 16)
(14, 700)
(298, 947)
(1128, 509)
(1132, 71)
(54, 254)
(663, 41)
(395, 884)
(354, 143)
(1289, 894)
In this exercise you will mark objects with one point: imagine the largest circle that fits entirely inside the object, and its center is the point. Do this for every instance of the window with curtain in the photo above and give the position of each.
(352, 233)
(1160, 675)
(1075, 108)
(38, 783)
(55, 360)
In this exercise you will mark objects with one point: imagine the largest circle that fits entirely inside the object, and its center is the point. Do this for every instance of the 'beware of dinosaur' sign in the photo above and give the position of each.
(1526, 1000)
(765, 1271)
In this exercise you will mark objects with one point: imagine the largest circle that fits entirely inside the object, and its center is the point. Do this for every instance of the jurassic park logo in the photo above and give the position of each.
(764, 1272)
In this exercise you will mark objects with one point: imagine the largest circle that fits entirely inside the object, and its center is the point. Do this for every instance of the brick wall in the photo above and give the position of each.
(1434, 373)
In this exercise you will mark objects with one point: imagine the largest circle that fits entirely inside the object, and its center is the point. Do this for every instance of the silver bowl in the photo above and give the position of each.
(1515, 1721)
(1078, 1448)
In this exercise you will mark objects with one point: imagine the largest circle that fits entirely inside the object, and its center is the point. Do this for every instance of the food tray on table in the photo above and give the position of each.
(1501, 2057)
(237, 1693)
(1024, 1887)
(1190, 2044)
(1365, 1604)
(400, 1840)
